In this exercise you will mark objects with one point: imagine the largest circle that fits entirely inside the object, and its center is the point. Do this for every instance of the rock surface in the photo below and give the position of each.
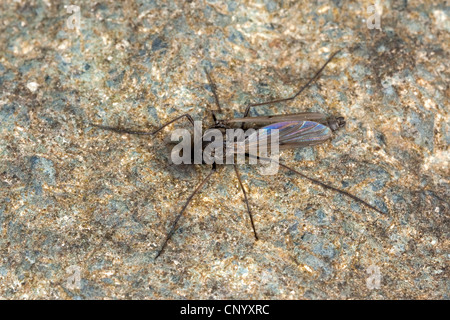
(79, 201)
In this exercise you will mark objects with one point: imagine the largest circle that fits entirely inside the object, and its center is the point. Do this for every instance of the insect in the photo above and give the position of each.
(295, 131)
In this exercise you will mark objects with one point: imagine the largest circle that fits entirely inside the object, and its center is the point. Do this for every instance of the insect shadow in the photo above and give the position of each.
(295, 131)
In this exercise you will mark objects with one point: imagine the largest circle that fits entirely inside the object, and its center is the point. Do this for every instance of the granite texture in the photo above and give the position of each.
(73, 196)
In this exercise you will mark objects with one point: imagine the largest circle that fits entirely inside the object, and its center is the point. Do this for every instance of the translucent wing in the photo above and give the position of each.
(292, 134)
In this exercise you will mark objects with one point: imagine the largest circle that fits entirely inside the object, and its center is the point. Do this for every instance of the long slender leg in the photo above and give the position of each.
(119, 130)
(213, 88)
(298, 92)
(172, 229)
(324, 185)
(246, 200)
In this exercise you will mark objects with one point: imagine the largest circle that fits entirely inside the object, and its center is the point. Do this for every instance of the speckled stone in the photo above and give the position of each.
(73, 197)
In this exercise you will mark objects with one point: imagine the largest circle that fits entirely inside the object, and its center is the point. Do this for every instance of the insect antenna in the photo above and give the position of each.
(172, 229)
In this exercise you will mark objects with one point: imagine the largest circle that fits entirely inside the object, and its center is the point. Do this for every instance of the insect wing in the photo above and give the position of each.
(291, 134)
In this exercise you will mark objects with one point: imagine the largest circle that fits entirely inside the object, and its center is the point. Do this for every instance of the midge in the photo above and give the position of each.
(295, 131)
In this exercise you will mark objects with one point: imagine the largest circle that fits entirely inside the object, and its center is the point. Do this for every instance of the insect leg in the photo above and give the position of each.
(247, 111)
(246, 200)
(320, 183)
(172, 229)
(119, 130)
(216, 97)
(326, 186)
